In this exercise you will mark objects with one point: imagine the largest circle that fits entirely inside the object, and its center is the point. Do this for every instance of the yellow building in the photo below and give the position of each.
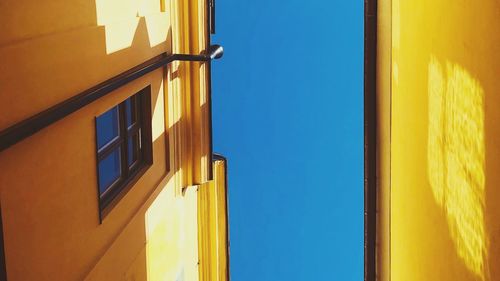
(106, 167)
(432, 140)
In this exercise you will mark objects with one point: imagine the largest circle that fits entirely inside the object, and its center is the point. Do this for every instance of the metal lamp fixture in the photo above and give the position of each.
(216, 51)
(35, 123)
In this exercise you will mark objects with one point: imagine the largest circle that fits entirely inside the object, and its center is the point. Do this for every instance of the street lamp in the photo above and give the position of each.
(214, 52)
(35, 123)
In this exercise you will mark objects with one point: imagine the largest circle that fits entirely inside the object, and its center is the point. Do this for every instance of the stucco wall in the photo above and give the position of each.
(445, 154)
(49, 196)
(50, 52)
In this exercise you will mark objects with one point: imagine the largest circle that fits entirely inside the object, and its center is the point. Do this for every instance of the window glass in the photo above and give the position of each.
(109, 170)
(130, 109)
(133, 147)
(123, 137)
(107, 127)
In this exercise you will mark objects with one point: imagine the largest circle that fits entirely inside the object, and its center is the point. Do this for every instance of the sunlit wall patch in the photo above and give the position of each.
(456, 158)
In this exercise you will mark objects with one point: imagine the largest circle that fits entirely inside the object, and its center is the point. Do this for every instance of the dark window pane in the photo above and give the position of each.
(133, 149)
(130, 106)
(119, 153)
(107, 127)
(109, 170)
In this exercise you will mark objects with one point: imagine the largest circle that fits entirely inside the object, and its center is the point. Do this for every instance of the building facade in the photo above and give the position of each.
(432, 91)
(106, 163)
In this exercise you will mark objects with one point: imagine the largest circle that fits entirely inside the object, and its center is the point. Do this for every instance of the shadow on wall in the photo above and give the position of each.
(137, 17)
(168, 221)
(165, 227)
(154, 243)
(100, 49)
(456, 159)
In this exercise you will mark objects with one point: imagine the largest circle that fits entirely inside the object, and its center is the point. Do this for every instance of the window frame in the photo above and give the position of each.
(129, 174)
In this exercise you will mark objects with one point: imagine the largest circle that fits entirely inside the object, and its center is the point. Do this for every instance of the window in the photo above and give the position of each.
(123, 138)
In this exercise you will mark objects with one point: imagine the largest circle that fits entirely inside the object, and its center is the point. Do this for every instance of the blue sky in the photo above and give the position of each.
(287, 113)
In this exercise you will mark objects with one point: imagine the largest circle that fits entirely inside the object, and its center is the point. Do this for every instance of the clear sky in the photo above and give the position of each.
(288, 115)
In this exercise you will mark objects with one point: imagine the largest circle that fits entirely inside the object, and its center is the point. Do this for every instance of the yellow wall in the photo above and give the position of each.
(383, 91)
(193, 143)
(445, 153)
(52, 50)
(213, 226)
(47, 69)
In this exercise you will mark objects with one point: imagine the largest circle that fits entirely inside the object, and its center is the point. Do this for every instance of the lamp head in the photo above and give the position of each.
(216, 51)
